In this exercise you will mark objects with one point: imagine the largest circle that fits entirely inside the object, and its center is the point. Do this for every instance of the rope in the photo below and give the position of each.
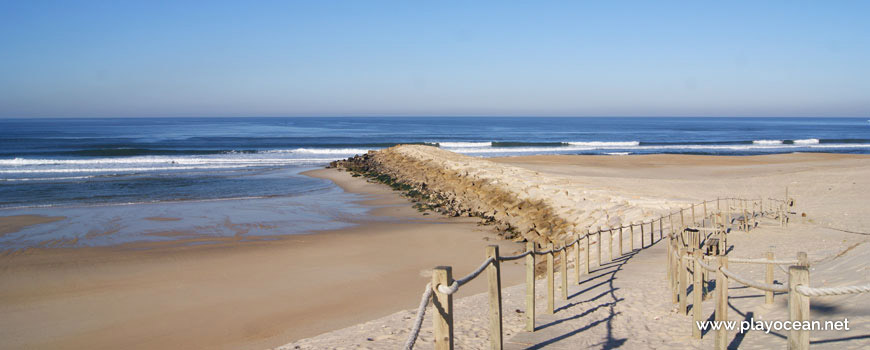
(782, 269)
(418, 322)
(459, 282)
(753, 284)
(705, 266)
(762, 261)
(821, 292)
(705, 229)
(514, 257)
(545, 252)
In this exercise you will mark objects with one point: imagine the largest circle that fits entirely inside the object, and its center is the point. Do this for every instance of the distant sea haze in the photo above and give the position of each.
(49, 162)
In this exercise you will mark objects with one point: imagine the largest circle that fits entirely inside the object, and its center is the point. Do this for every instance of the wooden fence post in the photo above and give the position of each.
(642, 234)
(530, 287)
(652, 231)
(682, 219)
(577, 260)
(620, 239)
(696, 294)
(768, 278)
(599, 247)
(610, 241)
(670, 259)
(442, 320)
(684, 281)
(588, 237)
(493, 276)
(661, 228)
(721, 341)
(798, 305)
(563, 270)
(693, 215)
(550, 287)
(631, 242)
(705, 208)
(675, 272)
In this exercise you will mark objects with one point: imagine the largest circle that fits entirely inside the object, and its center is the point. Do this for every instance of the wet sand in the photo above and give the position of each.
(14, 223)
(239, 295)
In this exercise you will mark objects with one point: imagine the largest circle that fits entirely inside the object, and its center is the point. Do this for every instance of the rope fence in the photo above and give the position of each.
(690, 240)
(687, 253)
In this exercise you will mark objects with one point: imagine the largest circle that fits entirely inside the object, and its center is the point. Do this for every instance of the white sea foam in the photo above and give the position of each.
(767, 142)
(617, 153)
(463, 144)
(806, 142)
(143, 164)
(50, 178)
(154, 160)
(605, 144)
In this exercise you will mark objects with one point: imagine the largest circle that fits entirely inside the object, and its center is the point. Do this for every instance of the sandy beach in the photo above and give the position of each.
(231, 295)
(352, 288)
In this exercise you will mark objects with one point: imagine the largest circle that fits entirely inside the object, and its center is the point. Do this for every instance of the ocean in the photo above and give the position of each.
(50, 162)
(66, 165)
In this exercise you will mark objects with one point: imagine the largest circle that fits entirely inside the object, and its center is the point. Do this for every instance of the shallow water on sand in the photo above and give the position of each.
(188, 222)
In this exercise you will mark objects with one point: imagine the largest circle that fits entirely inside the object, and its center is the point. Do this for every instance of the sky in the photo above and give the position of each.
(348, 58)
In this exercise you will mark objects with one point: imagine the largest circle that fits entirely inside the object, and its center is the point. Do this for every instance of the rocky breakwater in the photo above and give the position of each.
(540, 208)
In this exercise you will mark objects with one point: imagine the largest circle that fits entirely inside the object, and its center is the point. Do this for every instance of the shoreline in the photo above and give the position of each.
(231, 294)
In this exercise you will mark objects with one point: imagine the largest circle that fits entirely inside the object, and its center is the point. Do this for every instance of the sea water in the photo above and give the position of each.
(64, 166)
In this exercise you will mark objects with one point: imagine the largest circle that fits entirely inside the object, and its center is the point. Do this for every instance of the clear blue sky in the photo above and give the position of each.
(282, 58)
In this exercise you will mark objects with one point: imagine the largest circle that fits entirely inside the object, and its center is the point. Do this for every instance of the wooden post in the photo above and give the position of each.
(721, 342)
(798, 305)
(563, 270)
(785, 209)
(671, 222)
(652, 231)
(610, 241)
(768, 278)
(675, 266)
(587, 250)
(442, 320)
(718, 206)
(631, 242)
(661, 228)
(670, 259)
(802, 259)
(550, 287)
(693, 214)
(683, 283)
(530, 287)
(705, 208)
(599, 247)
(682, 219)
(696, 295)
(620, 239)
(641, 236)
(493, 276)
(577, 260)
